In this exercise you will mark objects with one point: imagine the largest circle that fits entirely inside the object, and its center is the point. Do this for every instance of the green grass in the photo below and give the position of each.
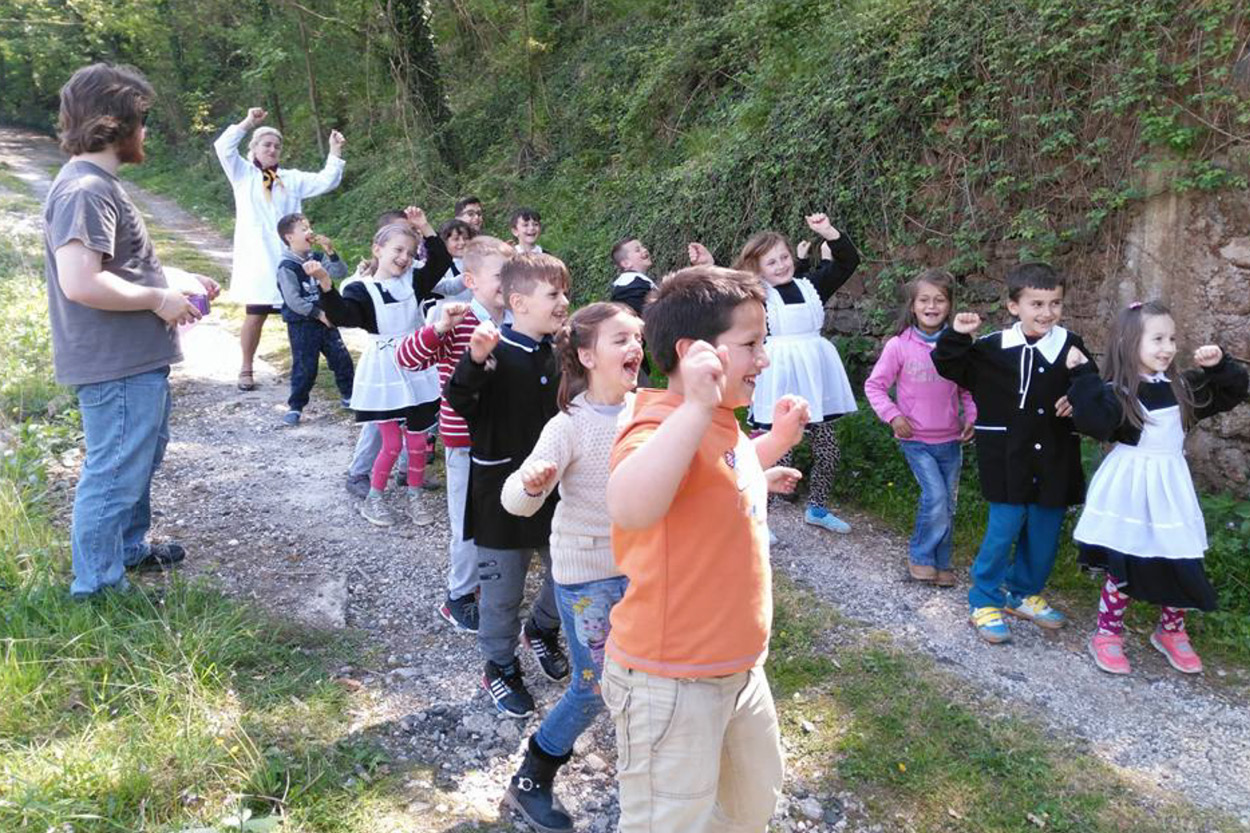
(863, 715)
(163, 708)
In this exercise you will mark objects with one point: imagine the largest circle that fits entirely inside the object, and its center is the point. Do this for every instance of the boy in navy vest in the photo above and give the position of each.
(303, 275)
(1028, 456)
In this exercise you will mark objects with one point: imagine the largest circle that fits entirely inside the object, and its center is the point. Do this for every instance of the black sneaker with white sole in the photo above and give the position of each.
(547, 650)
(461, 612)
(507, 690)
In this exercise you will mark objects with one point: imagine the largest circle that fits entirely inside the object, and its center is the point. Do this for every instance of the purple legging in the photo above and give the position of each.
(394, 437)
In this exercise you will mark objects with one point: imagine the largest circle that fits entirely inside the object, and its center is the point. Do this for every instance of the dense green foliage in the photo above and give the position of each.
(949, 131)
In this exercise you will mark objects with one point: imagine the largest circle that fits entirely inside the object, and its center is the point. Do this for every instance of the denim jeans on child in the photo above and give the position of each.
(309, 341)
(1033, 530)
(936, 467)
(125, 423)
(584, 610)
(502, 576)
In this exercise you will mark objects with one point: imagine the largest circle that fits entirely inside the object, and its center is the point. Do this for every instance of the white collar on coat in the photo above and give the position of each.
(626, 278)
(1049, 345)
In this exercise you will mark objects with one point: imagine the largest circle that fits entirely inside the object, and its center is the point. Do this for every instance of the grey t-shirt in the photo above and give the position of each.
(88, 204)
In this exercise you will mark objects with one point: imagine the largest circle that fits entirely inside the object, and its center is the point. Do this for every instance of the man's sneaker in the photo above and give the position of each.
(507, 690)
(291, 418)
(159, 556)
(546, 648)
(990, 625)
(358, 485)
(823, 518)
(346, 403)
(374, 510)
(461, 612)
(1108, 653)
(1175, 646)
(1035, 609)
(417, 510)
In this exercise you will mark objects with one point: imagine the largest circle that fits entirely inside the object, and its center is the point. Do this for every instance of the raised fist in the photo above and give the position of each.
(336, 143)
(256, 115)
(451, 314)
(702, 372)
(1208, 355)
(967, 323)
(699, 255)
(537, 476)
(483, 341)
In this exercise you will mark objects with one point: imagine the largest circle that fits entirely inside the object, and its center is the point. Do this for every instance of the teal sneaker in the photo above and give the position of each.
(1035, 609)
(990, 625)
(823, 518)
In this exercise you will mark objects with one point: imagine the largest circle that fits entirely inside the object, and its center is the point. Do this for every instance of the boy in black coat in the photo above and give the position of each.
(505, 388)
(1029, 458)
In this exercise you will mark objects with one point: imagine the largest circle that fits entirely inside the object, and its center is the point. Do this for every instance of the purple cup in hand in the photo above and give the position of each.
(200, 302)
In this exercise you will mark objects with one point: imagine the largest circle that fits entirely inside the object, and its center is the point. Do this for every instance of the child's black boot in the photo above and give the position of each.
(529, 791)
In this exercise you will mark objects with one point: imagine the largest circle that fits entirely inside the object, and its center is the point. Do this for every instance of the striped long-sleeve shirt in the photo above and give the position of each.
(426, 348)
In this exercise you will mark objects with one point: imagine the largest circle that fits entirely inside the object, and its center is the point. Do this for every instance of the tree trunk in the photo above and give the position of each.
(312, 84)
(423, 76)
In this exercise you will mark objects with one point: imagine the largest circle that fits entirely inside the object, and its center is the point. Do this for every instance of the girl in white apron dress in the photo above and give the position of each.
(801, 360)
(1142, 523)
(403, 403)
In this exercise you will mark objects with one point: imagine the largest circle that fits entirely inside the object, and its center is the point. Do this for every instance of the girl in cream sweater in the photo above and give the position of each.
(600, 350)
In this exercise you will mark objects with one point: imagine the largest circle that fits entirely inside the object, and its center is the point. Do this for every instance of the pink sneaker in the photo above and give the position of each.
(1175, 646)
(1108, 653)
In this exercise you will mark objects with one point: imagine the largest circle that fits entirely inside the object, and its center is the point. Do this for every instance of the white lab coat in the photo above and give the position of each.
(257, 248)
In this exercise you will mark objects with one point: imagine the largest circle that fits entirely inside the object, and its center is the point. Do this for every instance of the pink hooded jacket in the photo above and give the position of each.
(929, 402)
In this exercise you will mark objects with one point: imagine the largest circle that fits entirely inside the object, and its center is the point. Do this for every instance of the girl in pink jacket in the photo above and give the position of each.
(925, 416)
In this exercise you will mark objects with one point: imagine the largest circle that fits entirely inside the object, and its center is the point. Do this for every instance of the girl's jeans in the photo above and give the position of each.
(584, 610)
(936, 467)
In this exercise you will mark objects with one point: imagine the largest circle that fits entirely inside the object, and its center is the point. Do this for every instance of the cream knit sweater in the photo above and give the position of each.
(579, 443)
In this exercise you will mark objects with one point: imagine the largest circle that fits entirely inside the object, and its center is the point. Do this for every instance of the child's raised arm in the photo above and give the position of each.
(643, 484)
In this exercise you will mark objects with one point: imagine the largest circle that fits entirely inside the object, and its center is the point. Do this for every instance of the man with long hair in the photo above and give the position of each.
(114, 325)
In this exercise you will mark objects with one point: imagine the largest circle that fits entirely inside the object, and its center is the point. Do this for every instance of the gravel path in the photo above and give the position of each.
(265, 513)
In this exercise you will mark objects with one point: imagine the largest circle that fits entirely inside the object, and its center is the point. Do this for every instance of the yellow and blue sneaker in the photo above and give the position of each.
(1035, 609)
(990, 625)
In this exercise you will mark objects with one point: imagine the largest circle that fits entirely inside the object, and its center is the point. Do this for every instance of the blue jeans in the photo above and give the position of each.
(936, 466)
(1033, 531)
(310, 340)
(126, 427)
(584, 610)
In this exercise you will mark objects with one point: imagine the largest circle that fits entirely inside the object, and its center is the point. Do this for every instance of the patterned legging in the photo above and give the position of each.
(1113, 604)
(826, 455)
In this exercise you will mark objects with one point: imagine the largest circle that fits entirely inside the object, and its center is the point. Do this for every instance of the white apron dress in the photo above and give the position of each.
(1141, 501)
(1142, 522)
(801, 360)
(381, 385)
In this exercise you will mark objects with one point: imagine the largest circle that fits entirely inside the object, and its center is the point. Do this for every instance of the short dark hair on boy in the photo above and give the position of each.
(288, 223)
(102, 105)
(1033, 276)
(465, 202)
(522, 273)
(696, 303)
(388, 218)
(618, 246)
(447, 229)
(524, 213)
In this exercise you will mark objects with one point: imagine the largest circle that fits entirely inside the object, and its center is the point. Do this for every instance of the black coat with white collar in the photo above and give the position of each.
(1025, 453)
(632, 289)
(506, 402)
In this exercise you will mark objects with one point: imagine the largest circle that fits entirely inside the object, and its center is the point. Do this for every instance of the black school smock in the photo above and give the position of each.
(506, 402)
(1025, 453)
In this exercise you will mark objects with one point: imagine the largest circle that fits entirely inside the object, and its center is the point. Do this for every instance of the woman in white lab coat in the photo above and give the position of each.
(264, 194)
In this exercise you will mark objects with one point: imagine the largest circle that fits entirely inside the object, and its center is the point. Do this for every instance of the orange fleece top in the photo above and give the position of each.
(700, 599)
